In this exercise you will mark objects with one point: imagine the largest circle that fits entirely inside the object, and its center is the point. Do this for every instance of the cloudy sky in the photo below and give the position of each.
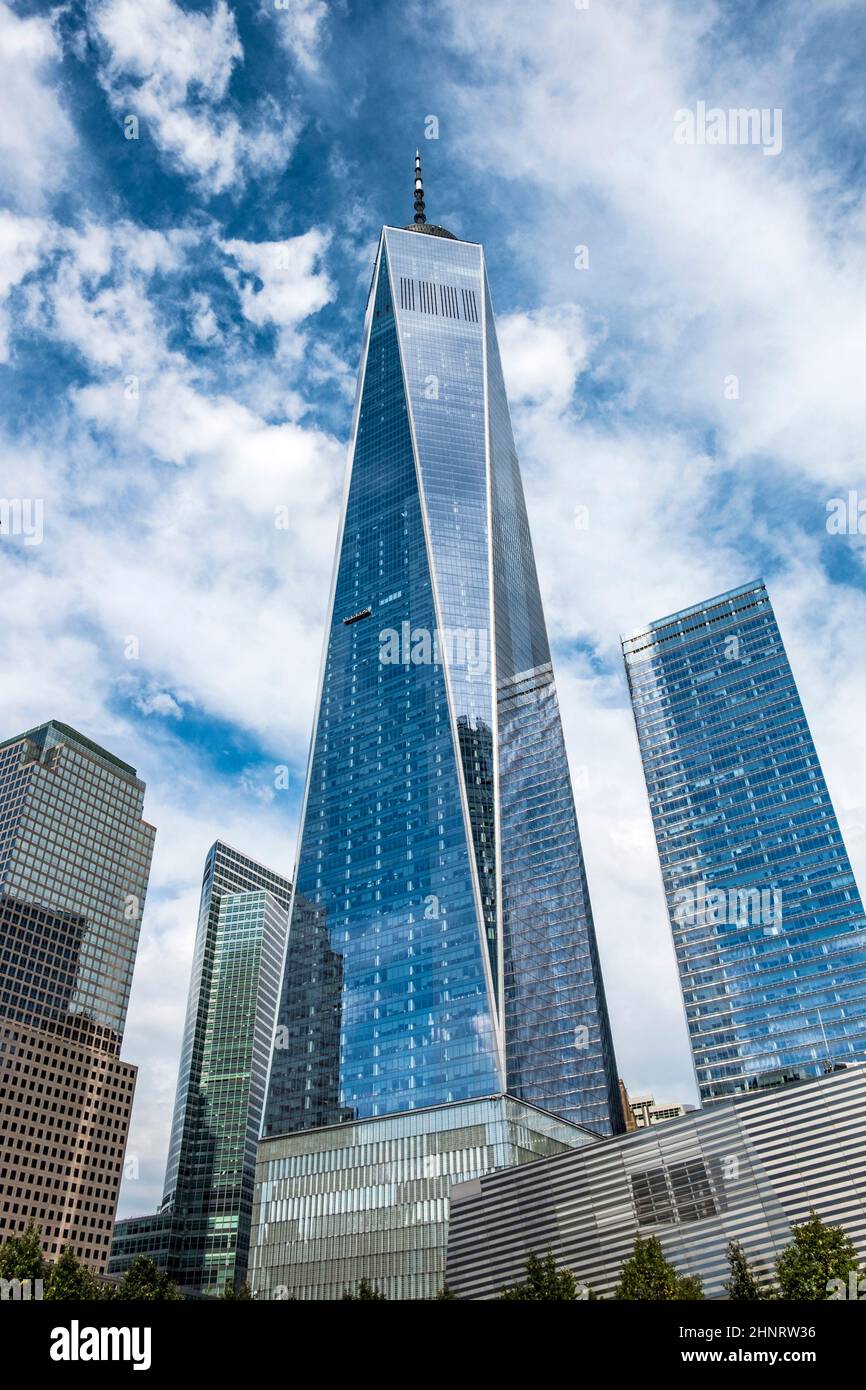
(192, 194)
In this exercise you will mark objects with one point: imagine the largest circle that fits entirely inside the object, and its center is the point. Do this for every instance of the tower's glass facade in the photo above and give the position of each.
(442, 946)
(239, 949)
(768, 923)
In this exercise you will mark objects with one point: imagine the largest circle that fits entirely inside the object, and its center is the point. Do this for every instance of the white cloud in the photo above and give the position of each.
(300, 28)
(36, 135)
(714, 261)
(291, 283)
(172, 68)
(545, 350)
(159, 702)
(23, 242)
(203, 324)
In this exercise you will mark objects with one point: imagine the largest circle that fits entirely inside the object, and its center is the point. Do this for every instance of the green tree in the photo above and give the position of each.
(363, 1292)
(444, 1293)
(544, 1283)
(72, 1282)
(647, 1275)
(21, 1257)
(232, 1293)
(743, 1285)
(144, 1283)
(817, 1254)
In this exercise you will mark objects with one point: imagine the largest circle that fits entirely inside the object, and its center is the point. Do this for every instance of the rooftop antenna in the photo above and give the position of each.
(420, 214)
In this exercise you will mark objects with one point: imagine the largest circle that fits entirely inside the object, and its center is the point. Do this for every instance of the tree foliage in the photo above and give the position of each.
(816, 1254)
(545, 1283)
(21, 1256)
(647, 1275)
(744, 1285)
(72, 1282)
(144, 1283)
(364, 1292)
(231, 1293)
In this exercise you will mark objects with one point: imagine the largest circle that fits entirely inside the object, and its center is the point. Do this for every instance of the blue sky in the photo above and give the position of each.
(180, 320)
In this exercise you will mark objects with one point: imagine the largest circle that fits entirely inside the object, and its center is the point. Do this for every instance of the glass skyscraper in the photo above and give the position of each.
(442, 947)
(767, 920)
(201, 1234)
(74, 864)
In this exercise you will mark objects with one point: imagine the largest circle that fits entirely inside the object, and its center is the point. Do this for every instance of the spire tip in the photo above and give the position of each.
(420, 214)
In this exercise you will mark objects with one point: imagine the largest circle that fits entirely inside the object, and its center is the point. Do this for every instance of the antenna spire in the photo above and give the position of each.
(420, 214)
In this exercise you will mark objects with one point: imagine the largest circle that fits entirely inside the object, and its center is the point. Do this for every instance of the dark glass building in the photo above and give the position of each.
(447, 948)
(74, 864)
(201, 1234)
(767, 920)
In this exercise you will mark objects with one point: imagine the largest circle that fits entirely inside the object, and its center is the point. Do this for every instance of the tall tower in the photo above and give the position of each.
(74, 864)
(447, 950)
(768, 923)
(201, 1234)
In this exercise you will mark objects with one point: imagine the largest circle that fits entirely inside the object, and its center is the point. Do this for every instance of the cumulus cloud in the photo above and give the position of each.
(36, 134)
(160, 702)
(282, 281)
(544, 351)
(172, 68)
(300, 26)
(23, 242)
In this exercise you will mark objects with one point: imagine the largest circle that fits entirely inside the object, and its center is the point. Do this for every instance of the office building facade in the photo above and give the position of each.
(767, 920)
(74, 864)
(201, 1234)
(447, 950)
(748, 1168)
(649, 1111)
(369, 1200)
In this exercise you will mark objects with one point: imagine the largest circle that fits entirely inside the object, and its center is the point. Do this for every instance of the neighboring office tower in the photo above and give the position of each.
(201, 1234)
(448, 950)
(768, 924)
(74, 863)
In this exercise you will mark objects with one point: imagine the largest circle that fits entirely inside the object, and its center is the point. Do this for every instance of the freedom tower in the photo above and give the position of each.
(441, 946)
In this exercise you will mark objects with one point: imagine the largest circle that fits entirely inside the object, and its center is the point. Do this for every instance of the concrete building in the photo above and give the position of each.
(74, 863)
(747, 1168)
(649, 1111)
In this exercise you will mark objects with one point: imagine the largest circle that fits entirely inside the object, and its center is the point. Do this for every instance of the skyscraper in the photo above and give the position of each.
(768, 923)
(448, 949)
(74, 863)
(201, 1234)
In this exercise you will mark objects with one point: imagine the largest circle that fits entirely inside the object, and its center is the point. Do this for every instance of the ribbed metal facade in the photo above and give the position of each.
(746, 1169)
